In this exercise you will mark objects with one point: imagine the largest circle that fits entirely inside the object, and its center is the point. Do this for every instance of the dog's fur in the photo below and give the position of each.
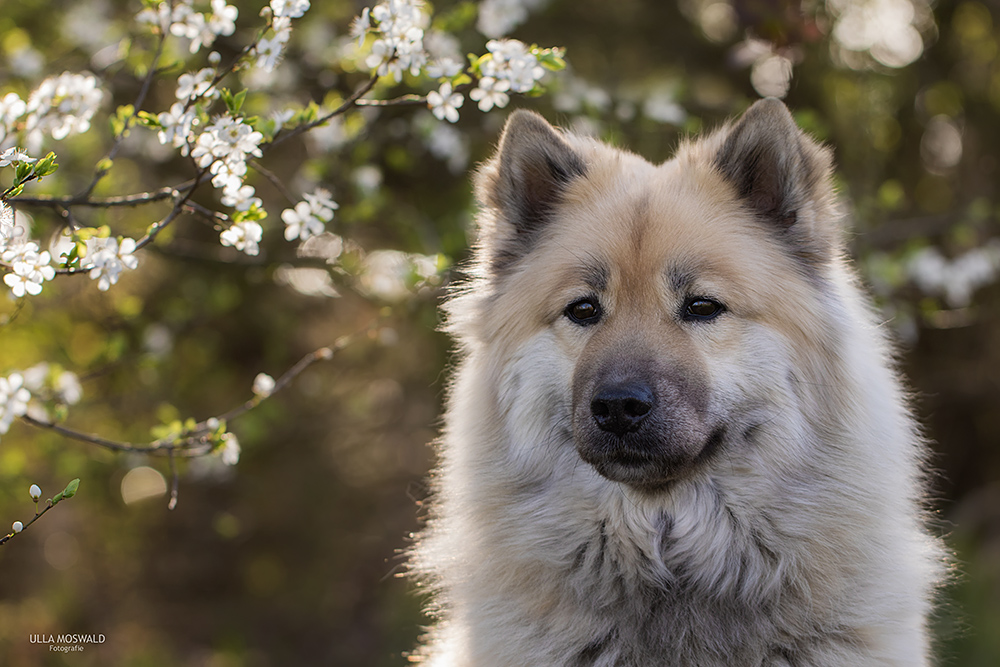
(712, 464)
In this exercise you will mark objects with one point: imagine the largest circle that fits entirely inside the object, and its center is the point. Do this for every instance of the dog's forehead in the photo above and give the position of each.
(677, 219)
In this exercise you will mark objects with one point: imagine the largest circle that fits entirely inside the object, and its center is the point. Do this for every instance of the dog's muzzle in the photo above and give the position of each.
(642, 424)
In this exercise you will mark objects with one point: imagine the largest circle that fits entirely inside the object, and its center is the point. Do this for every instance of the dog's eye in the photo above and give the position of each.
(584, 311)
(700, 308)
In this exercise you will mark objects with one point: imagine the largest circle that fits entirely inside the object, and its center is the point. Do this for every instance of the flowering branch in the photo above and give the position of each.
(201, 438)
(36, 493)
(343, 108)
(125, 124)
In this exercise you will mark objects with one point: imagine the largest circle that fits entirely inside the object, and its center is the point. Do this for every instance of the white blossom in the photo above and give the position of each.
(106, 258)
(14, 399)
(361, 25)
(12, 108)
(30, 268)
(444, 103)
(491, 92)
(177, 125)
(7, 229)
(444, 68)
(35, 492)
(17, 526)
(398, 47)
(292, 9)
(322, 203)
(199, 84)
(244, 236)
(159, 16)
(67, 388)
(230, 449)
(512, 61)
(201, 29)
(224, 147)
(269, 50)
(14, 155)
(60, 106)
(222, 21)
(301, 223)
(263, 385)
(241, 198)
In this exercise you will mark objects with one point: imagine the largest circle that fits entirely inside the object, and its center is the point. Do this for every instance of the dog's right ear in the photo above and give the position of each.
(522, 184)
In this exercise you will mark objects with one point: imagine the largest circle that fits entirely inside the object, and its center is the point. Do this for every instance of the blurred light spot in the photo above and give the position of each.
(941, 145)
(307, 281)
(771, 75)
(327, 246)
(142, 483)
(718, 21)
(157, 340)
(662, 106)
(61, 550)
(886, 29)
(227, 525)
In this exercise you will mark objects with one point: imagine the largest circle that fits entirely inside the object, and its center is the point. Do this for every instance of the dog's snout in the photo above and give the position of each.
(621, 408)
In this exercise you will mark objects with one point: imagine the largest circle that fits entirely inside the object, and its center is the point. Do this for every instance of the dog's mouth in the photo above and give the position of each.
(643, 462)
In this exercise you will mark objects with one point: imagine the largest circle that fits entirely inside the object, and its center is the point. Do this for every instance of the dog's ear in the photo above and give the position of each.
(781, 174)
(522, 184)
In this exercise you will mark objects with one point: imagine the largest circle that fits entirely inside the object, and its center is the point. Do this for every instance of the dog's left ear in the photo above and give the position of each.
(780, 173)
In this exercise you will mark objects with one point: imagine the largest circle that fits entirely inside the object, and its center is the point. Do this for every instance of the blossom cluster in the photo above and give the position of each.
(59, 107)
(14, 398)
(510, 66)
(309, 217)
(269, 49)
(399, 37)
(31, 267)
(179, 18)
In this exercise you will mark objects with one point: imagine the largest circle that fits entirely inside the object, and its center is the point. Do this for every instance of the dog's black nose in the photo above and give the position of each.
(620, 408)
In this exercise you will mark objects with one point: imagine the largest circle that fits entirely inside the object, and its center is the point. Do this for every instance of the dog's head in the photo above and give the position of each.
(668, 302)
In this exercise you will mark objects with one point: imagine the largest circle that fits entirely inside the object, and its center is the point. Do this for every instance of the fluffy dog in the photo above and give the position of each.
(675, 436)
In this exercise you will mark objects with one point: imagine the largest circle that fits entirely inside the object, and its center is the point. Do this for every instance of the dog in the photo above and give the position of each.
(674, 435)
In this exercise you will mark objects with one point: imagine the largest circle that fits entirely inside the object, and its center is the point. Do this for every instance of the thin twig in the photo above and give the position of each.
(347, 104)
(174, 482)
(403, 100)
(127, 126)
(106, 202)
(37, 516)
(274, 180)
(197, 442)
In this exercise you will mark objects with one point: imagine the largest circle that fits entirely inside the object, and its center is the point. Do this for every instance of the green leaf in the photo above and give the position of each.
(71, 488)
(47, 165)
(233, 102)
(21, 171)
(553, 59)
(68, 492)
(238, 101)
(149, 120)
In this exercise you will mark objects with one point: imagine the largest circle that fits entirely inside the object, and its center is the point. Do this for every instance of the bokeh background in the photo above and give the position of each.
(293, 555)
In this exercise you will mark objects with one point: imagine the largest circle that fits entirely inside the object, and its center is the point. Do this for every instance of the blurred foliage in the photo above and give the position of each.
(292, 557)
